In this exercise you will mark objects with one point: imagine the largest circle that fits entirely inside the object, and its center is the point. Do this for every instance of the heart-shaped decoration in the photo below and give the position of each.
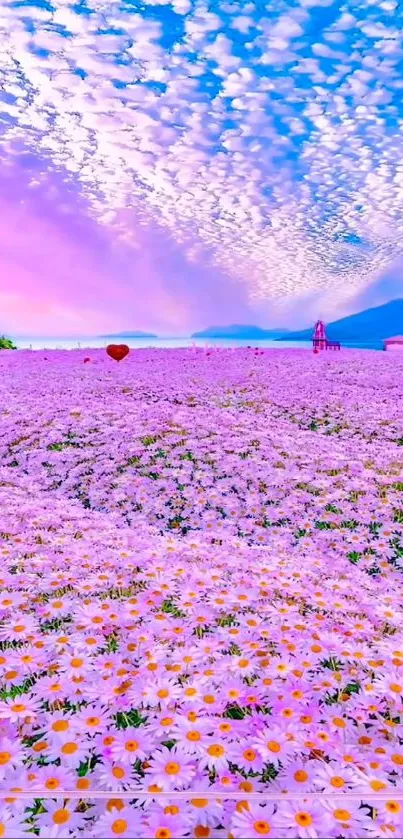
(117, 351)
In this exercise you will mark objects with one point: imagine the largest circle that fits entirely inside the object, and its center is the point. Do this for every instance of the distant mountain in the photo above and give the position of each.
(370, 325)
(238, 331)
(130, 335)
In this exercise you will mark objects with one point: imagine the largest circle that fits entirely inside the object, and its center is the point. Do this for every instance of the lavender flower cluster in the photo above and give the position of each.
(201, 622)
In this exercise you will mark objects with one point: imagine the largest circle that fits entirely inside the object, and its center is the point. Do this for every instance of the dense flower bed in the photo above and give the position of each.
(201, 594)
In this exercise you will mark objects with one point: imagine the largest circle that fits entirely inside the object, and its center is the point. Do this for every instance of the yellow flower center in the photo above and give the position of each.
(172, 768)
(60, 725)
(131, 745)
(11, 675)
(342, 815)
(114, 804)
(337, 782)
(273, 746)
(377, 785)
(303, 819)
(261, 827)
(393, 806)
(83, 783)
(40, 746)
(216, 751)
(69, 748)
(61, 816)
(52, 783)
(119, 826)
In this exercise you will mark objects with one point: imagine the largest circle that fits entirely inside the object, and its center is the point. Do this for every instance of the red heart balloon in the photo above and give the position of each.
(117, 351)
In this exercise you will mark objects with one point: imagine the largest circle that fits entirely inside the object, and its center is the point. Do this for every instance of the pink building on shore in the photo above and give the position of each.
(395, 343)
(319, 336)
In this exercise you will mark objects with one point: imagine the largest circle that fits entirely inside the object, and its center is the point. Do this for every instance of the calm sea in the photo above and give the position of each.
(168, 343)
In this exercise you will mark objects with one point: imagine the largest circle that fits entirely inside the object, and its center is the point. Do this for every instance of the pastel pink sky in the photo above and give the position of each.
(64, 274)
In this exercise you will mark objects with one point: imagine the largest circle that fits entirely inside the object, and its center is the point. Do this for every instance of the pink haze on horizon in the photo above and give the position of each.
(64, 274)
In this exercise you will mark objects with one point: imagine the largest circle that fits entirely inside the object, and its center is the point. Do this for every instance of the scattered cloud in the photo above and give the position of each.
(254, 142)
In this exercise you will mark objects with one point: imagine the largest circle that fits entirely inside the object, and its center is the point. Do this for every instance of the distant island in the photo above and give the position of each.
(130, 335)
(370, 326)
(239, 332)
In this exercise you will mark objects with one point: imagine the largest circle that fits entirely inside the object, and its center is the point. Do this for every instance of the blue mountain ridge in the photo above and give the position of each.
(371, 325)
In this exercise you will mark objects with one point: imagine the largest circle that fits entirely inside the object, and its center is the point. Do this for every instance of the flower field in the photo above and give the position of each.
(201, 621)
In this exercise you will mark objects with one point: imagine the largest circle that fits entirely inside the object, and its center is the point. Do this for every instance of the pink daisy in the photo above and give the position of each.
(333, 777)
(246, 757)
(253, 820)
(172, 769)
(274, 745)
(216, 754)
(391, 811)
(20, 708)
(163, 822)
(303, 819)
(130, 745)
(114, 775)
(346, 817)
(60, 819)
(125, 822)
(11, 756)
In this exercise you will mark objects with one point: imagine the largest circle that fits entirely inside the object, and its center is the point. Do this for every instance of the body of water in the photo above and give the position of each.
(169, 343)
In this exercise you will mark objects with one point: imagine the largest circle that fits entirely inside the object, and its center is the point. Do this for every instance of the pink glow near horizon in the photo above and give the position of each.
(62, 274)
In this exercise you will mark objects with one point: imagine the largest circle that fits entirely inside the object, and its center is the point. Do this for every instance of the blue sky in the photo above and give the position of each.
(177, 163)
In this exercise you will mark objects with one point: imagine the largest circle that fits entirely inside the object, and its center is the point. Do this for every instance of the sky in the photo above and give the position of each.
(171, 165)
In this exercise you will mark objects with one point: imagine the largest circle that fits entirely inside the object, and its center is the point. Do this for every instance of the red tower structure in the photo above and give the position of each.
(319, 336)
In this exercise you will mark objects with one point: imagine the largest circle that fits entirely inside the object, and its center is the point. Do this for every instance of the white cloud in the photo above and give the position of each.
(249, 170)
